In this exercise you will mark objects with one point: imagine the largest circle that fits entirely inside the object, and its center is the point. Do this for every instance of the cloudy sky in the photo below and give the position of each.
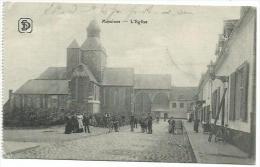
(177, 40)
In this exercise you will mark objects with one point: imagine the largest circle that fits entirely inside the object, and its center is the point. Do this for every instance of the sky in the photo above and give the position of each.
(177, 40)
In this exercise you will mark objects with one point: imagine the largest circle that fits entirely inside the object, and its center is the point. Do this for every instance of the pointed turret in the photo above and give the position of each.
(74, 44)
(73, 57)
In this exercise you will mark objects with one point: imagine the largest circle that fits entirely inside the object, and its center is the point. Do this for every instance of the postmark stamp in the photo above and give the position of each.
(25, 25)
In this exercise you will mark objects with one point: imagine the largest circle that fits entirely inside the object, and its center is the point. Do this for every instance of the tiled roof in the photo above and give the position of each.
(183, 93)
(54, 73)
(118, 77)
(37, 86)
(152, 81)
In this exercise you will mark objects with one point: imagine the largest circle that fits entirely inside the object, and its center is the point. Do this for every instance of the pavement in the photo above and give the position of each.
(14, 147)
(117, 146)
(19, 140)
(214, 153)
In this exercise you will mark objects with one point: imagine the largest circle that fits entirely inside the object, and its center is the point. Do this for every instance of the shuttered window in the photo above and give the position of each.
(208, 113)
(218, 101)
(215, 102)
(244, 91)
(232, 95)
(238, 93)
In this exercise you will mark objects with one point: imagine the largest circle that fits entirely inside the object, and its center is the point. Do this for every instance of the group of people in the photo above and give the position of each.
(113, 123)
(77, 123)
(133, 122)
(146, 124)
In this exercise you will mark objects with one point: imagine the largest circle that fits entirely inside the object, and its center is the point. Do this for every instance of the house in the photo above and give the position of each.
(231, 91)
(181, 101)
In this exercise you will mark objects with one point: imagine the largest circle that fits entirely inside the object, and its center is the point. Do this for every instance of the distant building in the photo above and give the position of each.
(182, 100)
(236, 59)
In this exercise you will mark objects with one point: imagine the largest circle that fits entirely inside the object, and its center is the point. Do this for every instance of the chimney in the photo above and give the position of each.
(228, 27)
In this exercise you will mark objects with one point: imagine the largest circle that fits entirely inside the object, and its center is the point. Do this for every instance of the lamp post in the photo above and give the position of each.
(224, 80)
(212, 73)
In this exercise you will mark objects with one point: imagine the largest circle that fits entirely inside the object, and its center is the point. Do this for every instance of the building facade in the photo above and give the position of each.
(182, 101)
(236, 61)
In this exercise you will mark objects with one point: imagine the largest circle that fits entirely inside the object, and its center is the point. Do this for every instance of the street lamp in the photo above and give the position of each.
(212, 73)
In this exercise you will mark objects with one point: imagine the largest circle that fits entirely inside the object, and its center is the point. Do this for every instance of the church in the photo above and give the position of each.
(86, 84)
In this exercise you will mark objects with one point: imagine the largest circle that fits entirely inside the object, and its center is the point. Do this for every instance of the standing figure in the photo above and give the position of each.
(150, 124)
(80, 122)
(132, 122)
(110, 125)
(171, 122)
(86, 123)
(136, 122)
(68, 127)
(145, 124)
(123, 120)
(116, 124)
(196, 125)
(75, 124)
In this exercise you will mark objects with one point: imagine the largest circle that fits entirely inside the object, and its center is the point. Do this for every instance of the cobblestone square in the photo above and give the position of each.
(117, 146)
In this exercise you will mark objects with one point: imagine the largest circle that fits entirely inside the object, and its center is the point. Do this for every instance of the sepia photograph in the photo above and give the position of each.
(129, 82)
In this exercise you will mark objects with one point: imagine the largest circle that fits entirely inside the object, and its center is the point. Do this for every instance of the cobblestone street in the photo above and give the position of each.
(124, 146)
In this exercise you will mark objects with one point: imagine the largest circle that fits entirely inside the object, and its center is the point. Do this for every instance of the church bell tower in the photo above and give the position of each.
(93, 53)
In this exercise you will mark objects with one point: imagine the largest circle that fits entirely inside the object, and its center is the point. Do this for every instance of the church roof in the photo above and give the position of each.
(54, 73)
(118, 77)
(152, 81)
(183, 93)
(37, 86)
(82, 70)
(73, 44)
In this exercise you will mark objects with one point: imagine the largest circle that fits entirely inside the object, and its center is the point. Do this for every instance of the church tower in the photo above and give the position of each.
(73, 57)
(93, 53)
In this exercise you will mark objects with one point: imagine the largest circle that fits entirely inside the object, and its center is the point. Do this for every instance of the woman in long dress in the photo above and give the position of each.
(80, 122)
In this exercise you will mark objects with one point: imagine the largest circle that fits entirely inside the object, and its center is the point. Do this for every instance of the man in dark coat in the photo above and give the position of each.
(150, 124)
(171, 122)
(115, 123)
(196, 125)
(132, 122)
(86, 123)
(136, 122)
(68, 127)
(75, 124)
